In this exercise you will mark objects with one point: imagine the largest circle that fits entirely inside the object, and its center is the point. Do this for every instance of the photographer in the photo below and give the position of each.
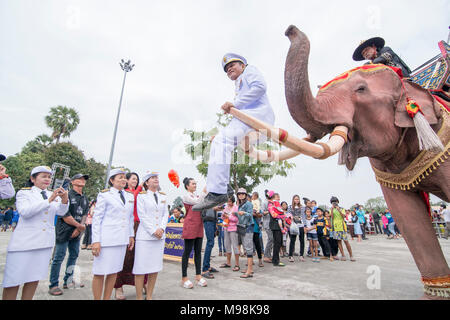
(31, 244)
(68, 231)
(339, 228)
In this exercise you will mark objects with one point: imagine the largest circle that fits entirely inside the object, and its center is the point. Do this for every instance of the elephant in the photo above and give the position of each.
(364, 110)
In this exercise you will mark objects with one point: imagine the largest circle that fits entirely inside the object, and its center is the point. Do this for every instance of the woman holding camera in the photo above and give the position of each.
(31, 245)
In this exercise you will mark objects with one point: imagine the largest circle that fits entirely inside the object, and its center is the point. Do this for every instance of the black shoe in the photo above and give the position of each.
(211, 200)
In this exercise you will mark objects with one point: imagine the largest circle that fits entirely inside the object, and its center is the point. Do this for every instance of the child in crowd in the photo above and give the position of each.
(314, 208)
(287, 223)
(321, 233)
(327, 233)
(281, 214)
(311, 234)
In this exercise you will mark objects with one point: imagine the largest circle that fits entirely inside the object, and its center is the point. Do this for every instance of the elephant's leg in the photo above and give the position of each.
(409, 212)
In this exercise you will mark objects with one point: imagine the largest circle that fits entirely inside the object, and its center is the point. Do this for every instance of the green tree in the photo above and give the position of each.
(39, 144)
(65, 153)
(63, 121)
(18, 167)
(378, 204)
(96, 182)
(245, 172)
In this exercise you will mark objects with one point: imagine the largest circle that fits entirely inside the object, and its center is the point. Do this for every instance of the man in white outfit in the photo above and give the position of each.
(250, 98)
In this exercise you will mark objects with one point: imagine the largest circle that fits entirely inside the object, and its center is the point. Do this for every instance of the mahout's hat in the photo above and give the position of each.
(377, 41)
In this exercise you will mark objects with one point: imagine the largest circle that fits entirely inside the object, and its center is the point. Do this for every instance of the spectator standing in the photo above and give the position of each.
(339, 228)
(311, 234)
(192, 234)
(357, 226)
(256, 202)
(362, 220)
(327, 232)
(112, 233)
(284, 207)
(6, 187)
(391, 226)
(220, 232)
(87, 239)
(350, 224)
(68, 234)
(153, 214)
(266, 225)
(2, 218)
(230, 214)
(15, 220)
(8, 218)
(376, 222)
(385, 222)
(245, 216)
(126, 276)
(445, 214)
(296, 211)
(257, 215)
(31, 245)
(276, 230)
(209, 217)
(321, 233)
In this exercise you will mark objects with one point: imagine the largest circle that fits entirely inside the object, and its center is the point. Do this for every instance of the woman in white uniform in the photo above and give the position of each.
(31, 244)
(112, 233)
(153, 215)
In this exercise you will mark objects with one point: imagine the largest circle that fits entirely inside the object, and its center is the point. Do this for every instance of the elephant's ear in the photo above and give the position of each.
(424, 99)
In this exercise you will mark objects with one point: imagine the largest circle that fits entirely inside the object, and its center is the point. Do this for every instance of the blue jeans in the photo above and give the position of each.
(221, 239)
(60, 252)
(391, 227)
(210, 229)
(261, 239)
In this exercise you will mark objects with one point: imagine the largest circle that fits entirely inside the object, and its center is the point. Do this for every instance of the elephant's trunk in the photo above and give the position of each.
(299, 97)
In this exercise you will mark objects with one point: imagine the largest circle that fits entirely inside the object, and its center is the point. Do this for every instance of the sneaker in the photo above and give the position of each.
(211, 200)
(281, 264)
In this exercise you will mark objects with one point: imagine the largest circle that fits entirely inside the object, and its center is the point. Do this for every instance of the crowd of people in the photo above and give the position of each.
(124, 227)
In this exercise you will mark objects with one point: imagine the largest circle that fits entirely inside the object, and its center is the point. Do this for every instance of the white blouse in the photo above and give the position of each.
(193, 199)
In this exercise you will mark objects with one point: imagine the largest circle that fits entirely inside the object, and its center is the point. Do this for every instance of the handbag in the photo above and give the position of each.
(293, 229)
(241, 229)
(209, 215)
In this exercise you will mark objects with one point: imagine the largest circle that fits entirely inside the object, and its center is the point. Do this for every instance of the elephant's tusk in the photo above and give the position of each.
(316, 150)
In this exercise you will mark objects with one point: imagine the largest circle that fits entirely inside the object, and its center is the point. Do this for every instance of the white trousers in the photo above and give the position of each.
(223, 145)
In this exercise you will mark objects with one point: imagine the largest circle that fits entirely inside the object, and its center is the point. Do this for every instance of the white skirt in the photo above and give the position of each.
(110, 260)
(148, 257)
(26, 266)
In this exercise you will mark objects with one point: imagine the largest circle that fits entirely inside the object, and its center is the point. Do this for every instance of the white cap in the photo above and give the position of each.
(113, 172)
(149, 174)
(40, 169)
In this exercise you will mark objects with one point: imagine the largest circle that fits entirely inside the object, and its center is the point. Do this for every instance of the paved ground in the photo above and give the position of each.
(384, 270)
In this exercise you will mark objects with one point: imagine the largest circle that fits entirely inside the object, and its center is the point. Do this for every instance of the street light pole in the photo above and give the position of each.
(126, 67)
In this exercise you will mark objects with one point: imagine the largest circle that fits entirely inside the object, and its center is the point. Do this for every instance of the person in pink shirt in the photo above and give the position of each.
(231, 235)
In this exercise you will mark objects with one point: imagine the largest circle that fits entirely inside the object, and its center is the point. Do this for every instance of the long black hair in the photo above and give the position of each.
(29, 183)
(239, 201)
(187, 181)
(128, 176)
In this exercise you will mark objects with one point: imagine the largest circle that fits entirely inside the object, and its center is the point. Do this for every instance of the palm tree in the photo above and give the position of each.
(63, 121)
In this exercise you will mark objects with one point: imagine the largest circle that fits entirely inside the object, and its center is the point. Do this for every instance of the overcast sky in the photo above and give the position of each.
(68, 52)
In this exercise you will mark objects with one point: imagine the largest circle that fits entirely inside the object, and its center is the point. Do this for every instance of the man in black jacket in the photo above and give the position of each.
(375, 51)
(68, 231)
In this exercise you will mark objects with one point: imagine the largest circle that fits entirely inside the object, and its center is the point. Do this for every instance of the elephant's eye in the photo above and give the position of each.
(361, 89)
